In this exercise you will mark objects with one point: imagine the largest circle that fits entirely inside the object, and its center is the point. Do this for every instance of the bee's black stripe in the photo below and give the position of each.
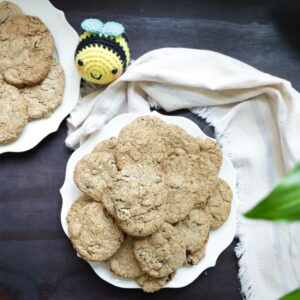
(124, 35)
(106, 42)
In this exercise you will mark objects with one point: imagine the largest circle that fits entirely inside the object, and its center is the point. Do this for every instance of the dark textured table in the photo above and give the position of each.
(37, 261)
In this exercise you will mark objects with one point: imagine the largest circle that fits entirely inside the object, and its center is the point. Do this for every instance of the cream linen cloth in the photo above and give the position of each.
(257, 122)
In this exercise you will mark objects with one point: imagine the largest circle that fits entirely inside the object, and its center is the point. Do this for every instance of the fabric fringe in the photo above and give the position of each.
(224, 140)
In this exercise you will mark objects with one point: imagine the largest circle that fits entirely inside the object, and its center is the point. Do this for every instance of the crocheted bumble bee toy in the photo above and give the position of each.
(102, 54)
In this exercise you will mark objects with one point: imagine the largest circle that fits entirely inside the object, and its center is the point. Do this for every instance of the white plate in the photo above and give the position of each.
(218, 239)
(66, 40)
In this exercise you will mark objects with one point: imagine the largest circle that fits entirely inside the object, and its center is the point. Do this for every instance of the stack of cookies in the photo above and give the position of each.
(150, 198)
(31, 80)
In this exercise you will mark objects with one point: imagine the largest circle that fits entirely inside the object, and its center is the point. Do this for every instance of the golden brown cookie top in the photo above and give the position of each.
(95, 173)
(162, 253)
(219, 203)
(194, 229)
(211, 151)
(178, 140)
(94, 234)
(177, 175)
(140, 142)
(26, 50)
(139, 199)
(124, 263)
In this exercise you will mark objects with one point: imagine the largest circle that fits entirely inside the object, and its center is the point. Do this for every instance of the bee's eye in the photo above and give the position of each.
(114, 71)
(80, 62)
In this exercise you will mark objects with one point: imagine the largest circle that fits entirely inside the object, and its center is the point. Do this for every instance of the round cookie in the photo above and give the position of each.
(177, 139)
(212, 151)
(162, 253)
(124, 263)
(26, 49)
(108, 145)
(140, 142)
(194, 230)
(94, 234)
(139, 197)
(43, 98)
(95, 173)
(219, 203)
(151, 284)
(13, 113)
(9, 10)
(177, 174)
(195, 257)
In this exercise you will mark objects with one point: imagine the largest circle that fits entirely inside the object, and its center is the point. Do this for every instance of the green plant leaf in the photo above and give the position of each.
(283, 203)
(294, 295)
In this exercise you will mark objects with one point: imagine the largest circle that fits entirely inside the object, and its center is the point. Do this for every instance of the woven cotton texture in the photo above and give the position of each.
(257, 122)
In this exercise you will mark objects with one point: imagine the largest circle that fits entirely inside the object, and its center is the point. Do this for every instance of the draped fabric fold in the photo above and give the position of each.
(257, 122)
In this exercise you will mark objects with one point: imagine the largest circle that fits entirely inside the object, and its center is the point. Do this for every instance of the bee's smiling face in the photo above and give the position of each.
(98, 65)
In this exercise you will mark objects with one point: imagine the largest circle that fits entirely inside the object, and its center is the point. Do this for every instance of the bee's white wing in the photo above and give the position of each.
(92, 25)
(113, 29)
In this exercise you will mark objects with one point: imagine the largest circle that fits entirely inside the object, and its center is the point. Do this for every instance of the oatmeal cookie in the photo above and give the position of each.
(219, 203)
(211, 150)
(177, 139)
(151, 284)
(140, 142)
(124, 263)
(162, 253)
(139, 197)
(194, 230)
(95, 173)
(26, 50)
(94, 234)
(177, 175)
(195, 257)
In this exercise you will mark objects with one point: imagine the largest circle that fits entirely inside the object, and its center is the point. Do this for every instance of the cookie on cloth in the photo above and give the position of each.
(151, 284)
(95, 173)
(43, 98)
(93, 233)
(219, 203)
(194, 229)
(26, 50)
(9, 10)
(13, 113)
(124, 263)
(161, 253)
(139, 197)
